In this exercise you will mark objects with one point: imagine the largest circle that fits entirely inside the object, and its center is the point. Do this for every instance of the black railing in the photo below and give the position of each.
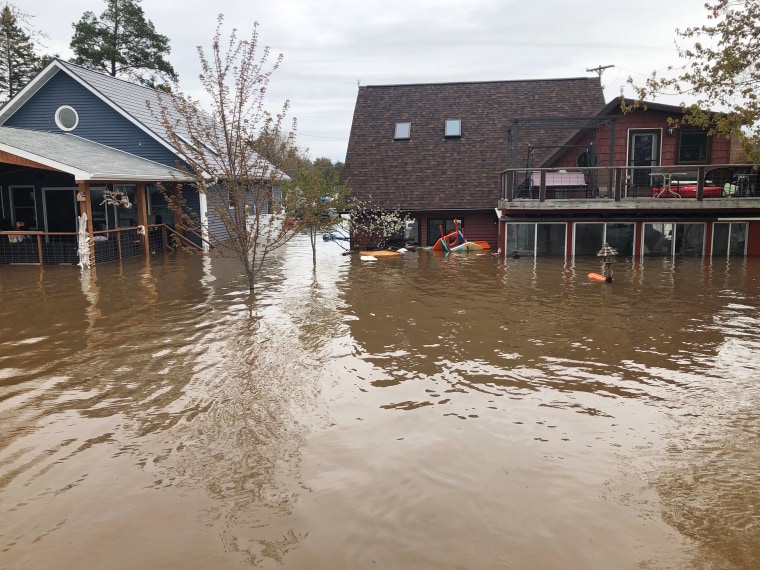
(60, 248)
(700, 182)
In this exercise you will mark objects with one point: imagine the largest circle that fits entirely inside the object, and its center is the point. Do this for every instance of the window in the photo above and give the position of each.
(539, 240)
(669, 239)
(438, 225)
(24, 206)
(453, 128)
(403, 131)
(729, 239)
(590, 237)
(66, 118)
(693, 146)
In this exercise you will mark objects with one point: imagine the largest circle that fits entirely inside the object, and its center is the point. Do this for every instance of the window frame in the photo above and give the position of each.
(60, 123)
(402, 131)
(707, 146)
(457, 124)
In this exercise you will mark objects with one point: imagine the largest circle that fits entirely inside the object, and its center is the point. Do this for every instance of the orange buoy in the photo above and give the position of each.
(597, 277)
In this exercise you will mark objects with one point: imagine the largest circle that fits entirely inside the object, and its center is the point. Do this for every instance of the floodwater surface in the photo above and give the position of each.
(419, 412)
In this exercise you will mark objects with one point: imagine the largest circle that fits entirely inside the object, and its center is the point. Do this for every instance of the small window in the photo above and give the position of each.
(693, 147)
(453, 128)
(66, 118)
(403, 131)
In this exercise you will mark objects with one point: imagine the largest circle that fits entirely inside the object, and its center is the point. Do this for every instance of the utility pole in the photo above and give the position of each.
(599, 70)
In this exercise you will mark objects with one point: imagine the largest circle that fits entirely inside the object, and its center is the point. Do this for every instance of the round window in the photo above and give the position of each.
(66, 118)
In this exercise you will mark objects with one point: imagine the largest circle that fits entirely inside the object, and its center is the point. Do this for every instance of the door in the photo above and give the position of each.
(60, 209)
(643, 151)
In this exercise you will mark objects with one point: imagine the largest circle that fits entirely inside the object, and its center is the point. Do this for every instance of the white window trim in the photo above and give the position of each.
(58, 120)
(405, 134)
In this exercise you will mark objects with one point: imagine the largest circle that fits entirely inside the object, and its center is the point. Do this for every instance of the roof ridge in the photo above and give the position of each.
(106, 76)
(419, 84)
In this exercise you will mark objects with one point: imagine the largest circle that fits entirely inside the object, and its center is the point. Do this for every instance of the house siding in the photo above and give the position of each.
(97, 121)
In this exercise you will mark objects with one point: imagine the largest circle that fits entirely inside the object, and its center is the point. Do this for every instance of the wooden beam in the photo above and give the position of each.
(141, 203)
(85, 207)
(9, 158)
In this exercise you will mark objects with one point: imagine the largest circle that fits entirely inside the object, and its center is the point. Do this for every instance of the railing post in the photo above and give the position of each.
(39, 249)
(141, 203)
(542, 187)
(618, 184)
(118, 242)
(510, 185)
(700, 184)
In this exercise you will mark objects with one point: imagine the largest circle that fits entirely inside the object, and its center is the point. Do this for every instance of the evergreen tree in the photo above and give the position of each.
(122, 42)
(18, 61)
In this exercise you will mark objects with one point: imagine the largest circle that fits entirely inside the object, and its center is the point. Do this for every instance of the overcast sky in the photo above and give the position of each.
(331, 45)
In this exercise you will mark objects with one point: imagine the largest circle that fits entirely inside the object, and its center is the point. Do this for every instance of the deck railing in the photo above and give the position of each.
(60, 248)
(696, 182)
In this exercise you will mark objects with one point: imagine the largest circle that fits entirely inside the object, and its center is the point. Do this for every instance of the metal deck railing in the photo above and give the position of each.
(694, 182)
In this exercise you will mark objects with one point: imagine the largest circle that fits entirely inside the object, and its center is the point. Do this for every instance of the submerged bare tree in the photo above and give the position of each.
(320, 197)
(248, 216)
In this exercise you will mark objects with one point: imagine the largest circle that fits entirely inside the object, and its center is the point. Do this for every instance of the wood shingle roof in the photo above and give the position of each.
(431, 172)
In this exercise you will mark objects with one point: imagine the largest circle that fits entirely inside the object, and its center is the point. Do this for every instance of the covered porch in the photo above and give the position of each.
(47, 180)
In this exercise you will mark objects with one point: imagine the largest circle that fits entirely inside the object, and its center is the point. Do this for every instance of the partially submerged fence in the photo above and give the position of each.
(60, 248)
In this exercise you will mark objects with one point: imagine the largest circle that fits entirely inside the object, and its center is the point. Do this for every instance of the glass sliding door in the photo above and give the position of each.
(671, 239)
(729, 239)
(541, 240)
(643, 151)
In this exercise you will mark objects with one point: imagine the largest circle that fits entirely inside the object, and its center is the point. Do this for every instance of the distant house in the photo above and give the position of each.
(546, 167)
(436, 150)
(70, 138)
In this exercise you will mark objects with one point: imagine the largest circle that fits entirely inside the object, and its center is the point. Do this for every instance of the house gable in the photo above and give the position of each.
(428, 170)
(648, 117)
(98, 121)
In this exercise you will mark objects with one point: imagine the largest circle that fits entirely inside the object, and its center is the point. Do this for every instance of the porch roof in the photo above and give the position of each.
(83, 159)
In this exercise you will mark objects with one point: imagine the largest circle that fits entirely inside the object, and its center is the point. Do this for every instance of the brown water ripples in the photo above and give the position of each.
(419, 412)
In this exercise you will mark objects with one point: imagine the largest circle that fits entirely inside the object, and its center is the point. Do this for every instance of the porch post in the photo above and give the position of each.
(85, 207)
(141, 202)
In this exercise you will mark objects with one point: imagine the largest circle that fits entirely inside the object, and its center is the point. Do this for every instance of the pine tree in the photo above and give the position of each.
(122, 42)
(18, 61)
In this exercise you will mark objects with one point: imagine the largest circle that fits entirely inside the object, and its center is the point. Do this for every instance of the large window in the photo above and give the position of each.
(591, 237)
(693, 146)
(23, 206)
(729, 239)
(437, 225)
(159, 211)
(547, 240)
(669, 239)
(108, 216)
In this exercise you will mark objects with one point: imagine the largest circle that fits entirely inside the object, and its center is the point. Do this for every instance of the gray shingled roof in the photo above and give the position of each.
(84, 159)
(128, 97)
(430, 172)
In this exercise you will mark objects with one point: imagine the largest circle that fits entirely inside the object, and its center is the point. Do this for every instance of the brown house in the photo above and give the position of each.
(546, 167)
(436, 150)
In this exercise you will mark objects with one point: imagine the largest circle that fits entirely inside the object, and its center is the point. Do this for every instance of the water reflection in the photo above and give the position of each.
(422, 411)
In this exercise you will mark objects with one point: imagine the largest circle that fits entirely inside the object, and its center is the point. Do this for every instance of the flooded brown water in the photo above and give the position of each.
(421, 412)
